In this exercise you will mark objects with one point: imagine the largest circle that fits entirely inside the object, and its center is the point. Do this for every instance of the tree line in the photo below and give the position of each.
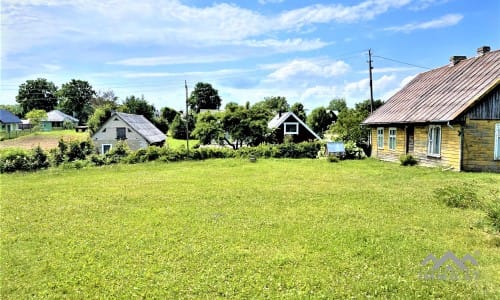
(234, 125)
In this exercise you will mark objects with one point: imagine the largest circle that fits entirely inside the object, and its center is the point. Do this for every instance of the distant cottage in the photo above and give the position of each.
(288, 124)
(447, 117)
(56, 119)
(135, 130)
(8, 122)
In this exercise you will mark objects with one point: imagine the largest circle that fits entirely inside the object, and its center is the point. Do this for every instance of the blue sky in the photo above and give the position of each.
(307, 51)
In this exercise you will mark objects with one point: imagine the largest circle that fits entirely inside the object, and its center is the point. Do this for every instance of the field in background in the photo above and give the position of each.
(231, 228)
(176, 144)
(47, 140)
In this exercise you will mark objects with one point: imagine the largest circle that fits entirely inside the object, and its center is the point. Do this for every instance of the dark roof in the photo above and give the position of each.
(442, 94)
(142, 125)
(280, 118)
(7, 117)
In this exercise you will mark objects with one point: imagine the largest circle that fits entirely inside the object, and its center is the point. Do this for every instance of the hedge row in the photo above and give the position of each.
(78, 154)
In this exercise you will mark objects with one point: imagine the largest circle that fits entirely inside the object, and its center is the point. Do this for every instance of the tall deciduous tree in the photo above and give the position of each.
(275, 104)
(105, 98)
(36, 116)
(168, 114)
(75, 99)
(209, 128)
(204, 96)
(298, 109)
(138, 106)
(319, 120)
(178, 127)
(37, 94)
(337, 104)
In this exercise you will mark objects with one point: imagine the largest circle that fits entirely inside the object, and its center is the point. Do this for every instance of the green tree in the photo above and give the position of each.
(209, 128)
(36, 116)
(104, 98)
(75, 99)
(37, 94)
(275, 104)
(138, 106)
(178, 126)
(15, 109)
(100, 115)
(204, 96)
(298, 109)
(337, 104)
(319, 120)
(168, 114)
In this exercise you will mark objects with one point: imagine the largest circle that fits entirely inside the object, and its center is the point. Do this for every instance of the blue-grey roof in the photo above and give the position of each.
(7, 117)
(142, 125)
(335, 147)
(59, 116)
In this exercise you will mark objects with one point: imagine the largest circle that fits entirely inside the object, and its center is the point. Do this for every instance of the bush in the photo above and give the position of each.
(462, 195)
(332, 159)
(75, 151)
(407, 160)
(39, 159)
(96, 160)
(119, 152)
(493, 214)
(15, 160)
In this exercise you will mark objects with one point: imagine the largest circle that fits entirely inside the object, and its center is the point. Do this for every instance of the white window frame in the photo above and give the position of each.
(496, 154)
(392, 137)
(431, 140)
(380, 138)
(291, 132)
(102, 147)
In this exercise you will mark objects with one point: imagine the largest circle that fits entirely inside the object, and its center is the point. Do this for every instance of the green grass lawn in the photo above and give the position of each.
(176, 144)
(231, 228)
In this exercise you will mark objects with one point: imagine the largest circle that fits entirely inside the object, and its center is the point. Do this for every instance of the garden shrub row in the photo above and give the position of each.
(78, 154)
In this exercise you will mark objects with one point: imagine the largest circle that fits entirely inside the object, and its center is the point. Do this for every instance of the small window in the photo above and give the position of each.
(497, 141)
(380, 138)
(104, 130)
(121, 133)
(291, 128)
(434, 141)
(106, 148)
(392, 138)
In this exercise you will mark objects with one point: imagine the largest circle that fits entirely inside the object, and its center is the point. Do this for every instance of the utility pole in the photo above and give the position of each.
(370, 68)
(187, 118)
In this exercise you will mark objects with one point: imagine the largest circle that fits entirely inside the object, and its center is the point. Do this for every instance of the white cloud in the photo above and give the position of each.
(308, 67)
(288, 45)
(444, 21)
(263, 2)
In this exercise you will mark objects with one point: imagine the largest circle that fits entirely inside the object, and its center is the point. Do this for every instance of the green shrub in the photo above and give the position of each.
(75, 151)
(493, 214)
(118, 154)
(15, 160)
(461, 195)
(96, 160)
(39, 159)
(332, 159)
(56, 157)
(407, 160)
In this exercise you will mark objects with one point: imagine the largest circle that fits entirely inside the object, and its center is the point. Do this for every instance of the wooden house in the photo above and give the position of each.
(288, 124)
(135, 130)
(9, 123)
(56, 119)
(447, 117)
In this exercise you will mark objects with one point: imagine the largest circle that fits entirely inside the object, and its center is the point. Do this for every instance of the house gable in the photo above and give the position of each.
(289, 124)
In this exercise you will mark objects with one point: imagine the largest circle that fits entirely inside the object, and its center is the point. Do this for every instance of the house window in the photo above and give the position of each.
(291, 128)
(105, 148)
(121, 133)
(392, 138)
(497, 141)
(434, 141)
(380, 138)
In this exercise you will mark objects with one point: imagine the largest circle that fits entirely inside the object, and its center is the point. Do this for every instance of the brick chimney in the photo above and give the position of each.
(456, 59)
(483, 50)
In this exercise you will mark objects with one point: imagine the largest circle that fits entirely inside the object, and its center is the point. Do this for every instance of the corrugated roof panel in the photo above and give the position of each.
(440, 95)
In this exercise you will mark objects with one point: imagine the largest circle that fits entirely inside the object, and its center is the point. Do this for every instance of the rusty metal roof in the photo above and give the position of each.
(442, 94)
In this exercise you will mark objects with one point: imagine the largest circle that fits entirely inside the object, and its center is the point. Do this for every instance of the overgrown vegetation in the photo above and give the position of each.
(462, 195)
(407, 160)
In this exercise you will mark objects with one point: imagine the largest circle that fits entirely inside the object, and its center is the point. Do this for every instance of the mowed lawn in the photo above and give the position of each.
(231, 228)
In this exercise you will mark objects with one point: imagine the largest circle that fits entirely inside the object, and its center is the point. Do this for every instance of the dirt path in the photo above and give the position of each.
(45, 141)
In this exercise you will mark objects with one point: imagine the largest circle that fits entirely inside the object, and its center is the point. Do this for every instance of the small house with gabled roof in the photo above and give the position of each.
(288, 124)
(8, 122)
(135, 130)
(447, 117)
(56, 119)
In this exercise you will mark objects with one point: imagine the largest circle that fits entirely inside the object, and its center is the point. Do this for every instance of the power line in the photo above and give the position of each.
(402, 62)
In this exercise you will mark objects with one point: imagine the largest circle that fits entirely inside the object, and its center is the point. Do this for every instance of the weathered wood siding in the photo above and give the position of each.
(486, 109)
(107, 135)
(386, 153)
(450, 146)
(479, 145)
